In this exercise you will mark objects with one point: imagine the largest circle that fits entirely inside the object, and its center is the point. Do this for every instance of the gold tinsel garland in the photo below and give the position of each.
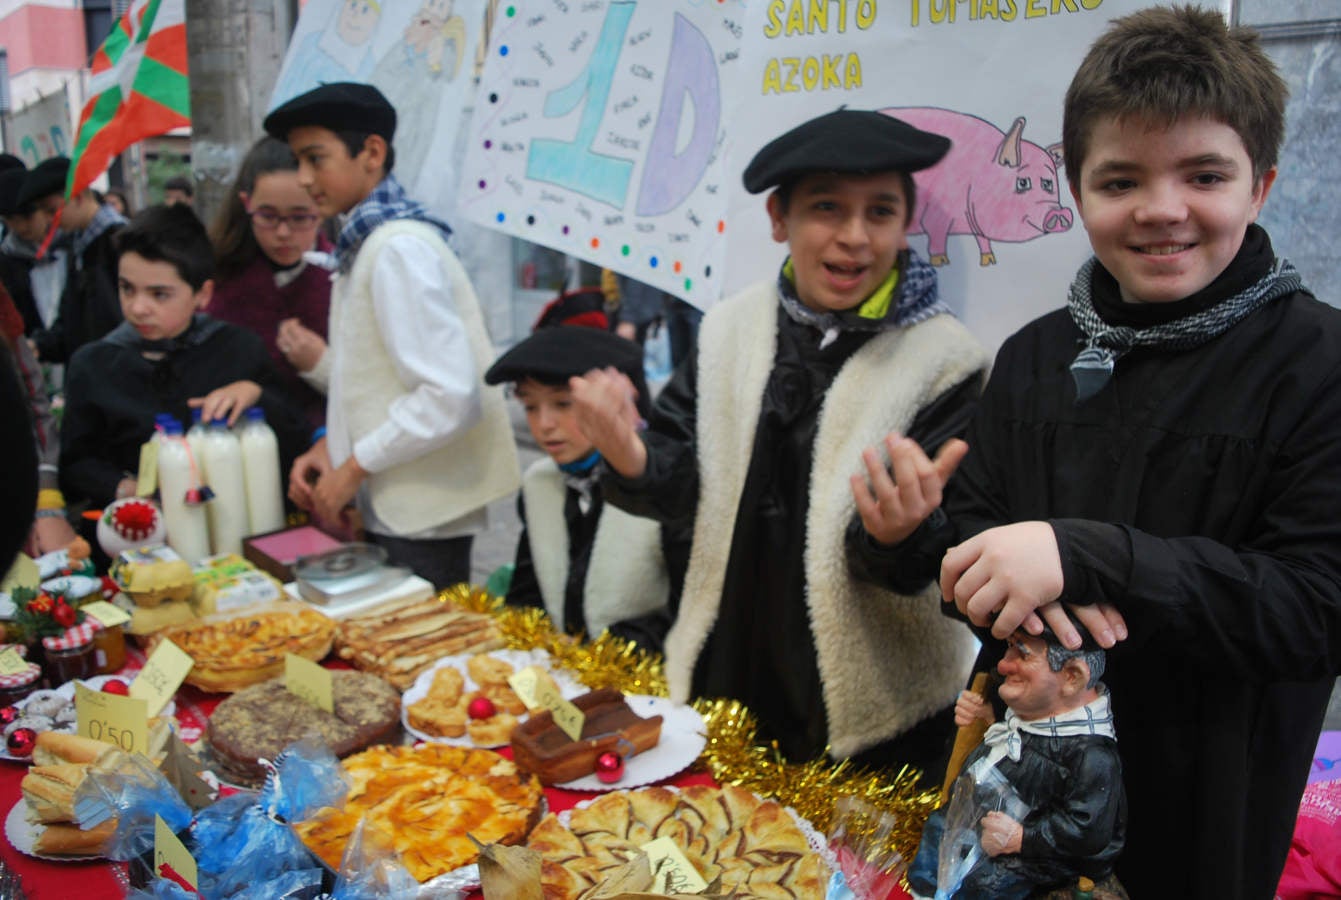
(733, 754)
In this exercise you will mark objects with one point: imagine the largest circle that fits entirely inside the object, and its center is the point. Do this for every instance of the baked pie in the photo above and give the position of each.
(424, 801)
(754, 845)
(233, 653)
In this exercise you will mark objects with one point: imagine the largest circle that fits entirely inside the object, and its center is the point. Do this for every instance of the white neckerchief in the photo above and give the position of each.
(1003, 738)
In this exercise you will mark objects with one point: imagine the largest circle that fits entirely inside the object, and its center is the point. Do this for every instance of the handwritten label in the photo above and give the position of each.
(671, 872)
(146, 481)
(171, 858)
(112, 719)
(11, 663)
(162, 674)
(107, 615)
(309, 681)
(567, 716)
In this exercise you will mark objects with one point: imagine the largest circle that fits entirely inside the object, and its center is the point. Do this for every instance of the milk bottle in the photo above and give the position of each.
(195, 436)
(260, 469)
(188, 529)
(228, 509)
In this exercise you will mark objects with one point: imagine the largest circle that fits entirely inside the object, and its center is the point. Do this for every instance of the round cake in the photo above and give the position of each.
(260, 721)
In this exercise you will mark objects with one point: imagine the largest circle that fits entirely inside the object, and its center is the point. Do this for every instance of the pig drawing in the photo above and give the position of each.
(994, 186)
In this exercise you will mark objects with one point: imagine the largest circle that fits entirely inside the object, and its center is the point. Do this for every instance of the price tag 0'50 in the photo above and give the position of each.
(112, 719)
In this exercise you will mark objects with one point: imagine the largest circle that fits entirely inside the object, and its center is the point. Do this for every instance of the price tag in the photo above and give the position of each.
(524, 684)
(171, 858)
(671, 872)
(11, 663)
(112, 719)
(567, 716)
(162, 674)
(24, 573)
(146, 480)
(107, 615)
(309, 681)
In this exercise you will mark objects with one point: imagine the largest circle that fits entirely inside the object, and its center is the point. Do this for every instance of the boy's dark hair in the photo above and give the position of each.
(180, 183)
(1163, 64)
(170, 234)
(353, 141)
(784, 193)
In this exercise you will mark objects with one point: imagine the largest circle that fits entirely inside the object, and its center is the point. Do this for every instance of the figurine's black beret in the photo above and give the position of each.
(846, 140)
(339, 106)
(47, 177)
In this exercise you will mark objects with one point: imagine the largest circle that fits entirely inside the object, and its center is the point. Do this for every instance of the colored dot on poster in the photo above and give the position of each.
(530, 220)
(688, 284)
(565, 229)
(482, 184)
(677, 267)
(653, 262)
(595, 242)
(512, 11)
(500, 217)
(625, 250)
(503, 50)
(488, 145)
(721, 226)
(493, 98)
(707, 271)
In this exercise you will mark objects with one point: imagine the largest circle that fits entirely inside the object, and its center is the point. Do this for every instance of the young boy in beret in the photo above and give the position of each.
(1162, 456)
(589, 564)
(89, 306)
(757, 435)
(411, 432)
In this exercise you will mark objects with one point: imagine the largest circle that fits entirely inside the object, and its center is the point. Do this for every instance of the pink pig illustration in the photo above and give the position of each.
(994, 186)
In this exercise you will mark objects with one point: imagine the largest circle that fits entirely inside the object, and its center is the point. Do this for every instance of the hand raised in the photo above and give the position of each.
(892, 502)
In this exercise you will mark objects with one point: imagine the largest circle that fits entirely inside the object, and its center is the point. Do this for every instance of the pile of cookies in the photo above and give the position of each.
(400, 639)
(488, 713)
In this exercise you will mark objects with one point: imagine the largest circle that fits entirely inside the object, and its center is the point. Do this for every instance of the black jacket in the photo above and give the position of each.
(90, 304)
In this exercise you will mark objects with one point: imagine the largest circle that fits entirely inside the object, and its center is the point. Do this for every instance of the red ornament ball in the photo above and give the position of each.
(8, 714)
(481, 708)
(609, 767)
(116, 686)
(21, 741)
(64, 614)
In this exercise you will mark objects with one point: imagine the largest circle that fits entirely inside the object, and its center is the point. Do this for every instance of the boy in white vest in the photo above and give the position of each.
(590, 565)
(759, 433)
(412, 435)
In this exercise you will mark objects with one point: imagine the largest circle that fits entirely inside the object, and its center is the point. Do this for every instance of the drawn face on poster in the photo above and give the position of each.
(599, 129)
(413, 53)
(995, 216)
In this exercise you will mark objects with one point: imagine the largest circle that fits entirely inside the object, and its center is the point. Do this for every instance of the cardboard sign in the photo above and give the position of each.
(11, 663)
(524, 684)
(171, 858)
(309, 681)
(107, 615)
(567, 716)
(162, 674)
(146, 481)
(23, 573)
(112, 719)
(672, 873)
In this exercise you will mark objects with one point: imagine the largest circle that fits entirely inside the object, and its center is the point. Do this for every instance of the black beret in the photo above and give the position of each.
(11, 182)
(10, 161)
(846, 140)
(339, 106)
(559, 352)
(47, 177)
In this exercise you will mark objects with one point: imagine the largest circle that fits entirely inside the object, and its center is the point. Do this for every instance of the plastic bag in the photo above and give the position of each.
(868, 867)
(369, 870)
(961, 849)
(134, 797)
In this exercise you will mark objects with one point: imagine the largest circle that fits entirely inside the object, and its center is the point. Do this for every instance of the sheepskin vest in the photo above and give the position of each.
(626, 576)
(886, 661)
(469, 471)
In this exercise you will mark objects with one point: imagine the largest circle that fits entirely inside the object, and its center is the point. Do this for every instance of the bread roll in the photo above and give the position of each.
(55, 747)
(49, 791)
(71, 840)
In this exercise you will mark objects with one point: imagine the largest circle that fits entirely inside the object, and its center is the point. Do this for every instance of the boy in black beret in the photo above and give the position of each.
(759, 433)
(412, 434)
(589, 564)
(89, 304)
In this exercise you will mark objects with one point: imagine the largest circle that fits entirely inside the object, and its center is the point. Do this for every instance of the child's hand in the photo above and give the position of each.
(336, 489)
(306, 472)
(231, 400)
(608, 416)
(970, 706)
(1001, 576)
(1101, 620)
(891, 507)
(301, 346)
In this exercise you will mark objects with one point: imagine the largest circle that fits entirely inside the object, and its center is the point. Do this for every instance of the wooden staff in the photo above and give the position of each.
(968, 737)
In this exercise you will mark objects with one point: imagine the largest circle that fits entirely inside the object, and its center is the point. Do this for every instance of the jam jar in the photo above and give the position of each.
(70, 655)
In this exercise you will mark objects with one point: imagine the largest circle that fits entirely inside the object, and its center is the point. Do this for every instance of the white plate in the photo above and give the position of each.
(67, 691)
(23, 834)
(683, 736)
(518, 659)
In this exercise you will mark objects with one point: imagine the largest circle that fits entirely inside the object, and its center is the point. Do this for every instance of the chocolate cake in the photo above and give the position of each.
(260, 721)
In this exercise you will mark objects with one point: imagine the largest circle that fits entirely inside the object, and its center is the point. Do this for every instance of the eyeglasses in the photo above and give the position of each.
(269, 219)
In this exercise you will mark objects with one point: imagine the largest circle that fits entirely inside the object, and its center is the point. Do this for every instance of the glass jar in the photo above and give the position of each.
(69, 663)
(14, 688)
(109, 649)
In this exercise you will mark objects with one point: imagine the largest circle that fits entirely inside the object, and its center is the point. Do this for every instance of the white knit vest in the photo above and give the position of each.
(886, 661)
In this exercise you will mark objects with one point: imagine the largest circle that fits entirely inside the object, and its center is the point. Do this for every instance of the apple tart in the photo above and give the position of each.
(232, 653)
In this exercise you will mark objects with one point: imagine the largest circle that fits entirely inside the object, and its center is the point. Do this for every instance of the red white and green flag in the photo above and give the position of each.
(139, 88)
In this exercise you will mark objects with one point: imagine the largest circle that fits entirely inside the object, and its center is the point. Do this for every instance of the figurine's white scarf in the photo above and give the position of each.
(1003, 738)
